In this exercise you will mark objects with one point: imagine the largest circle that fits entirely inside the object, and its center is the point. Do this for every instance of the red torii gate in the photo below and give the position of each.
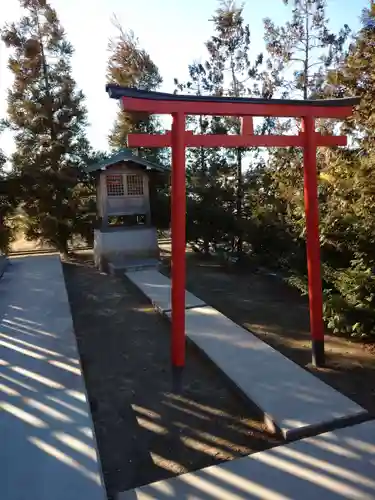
(181, 105)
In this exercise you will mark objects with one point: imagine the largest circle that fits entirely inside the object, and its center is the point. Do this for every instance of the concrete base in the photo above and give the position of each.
(293, 400)
(47, 444)
(119, 245)
(121, 267)
(333, 466)
(157, 288)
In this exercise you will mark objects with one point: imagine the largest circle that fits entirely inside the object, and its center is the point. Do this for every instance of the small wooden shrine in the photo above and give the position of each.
(125, 186)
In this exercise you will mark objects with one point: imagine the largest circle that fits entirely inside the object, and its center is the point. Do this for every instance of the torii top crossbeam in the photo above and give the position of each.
(164, 103)
(179, 106)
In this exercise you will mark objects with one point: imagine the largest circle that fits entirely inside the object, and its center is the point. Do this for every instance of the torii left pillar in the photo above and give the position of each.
(178, 219)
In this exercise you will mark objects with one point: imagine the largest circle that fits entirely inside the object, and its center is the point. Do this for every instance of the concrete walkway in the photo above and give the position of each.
(157, 288)
(47, 446)
(292, 399)
(333, 466)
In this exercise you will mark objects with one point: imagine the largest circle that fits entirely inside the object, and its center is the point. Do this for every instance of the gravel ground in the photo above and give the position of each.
(145, 431)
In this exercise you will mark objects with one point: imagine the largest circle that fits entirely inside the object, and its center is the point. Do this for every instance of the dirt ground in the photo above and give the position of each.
(146, 432)
(277, 314)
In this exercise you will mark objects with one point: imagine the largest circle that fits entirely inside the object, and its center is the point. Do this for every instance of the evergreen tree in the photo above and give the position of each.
(5, 206)
(227, 71)
(47, 115)
(304, 49)
(216, 180)
(355, 77)
(210, 200)
(346, 186)
(131, 66)
(348, 191)
(9, 199)
(231, 72)
(300, 54)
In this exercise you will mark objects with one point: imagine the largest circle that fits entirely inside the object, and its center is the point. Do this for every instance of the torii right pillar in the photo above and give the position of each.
(313, 241)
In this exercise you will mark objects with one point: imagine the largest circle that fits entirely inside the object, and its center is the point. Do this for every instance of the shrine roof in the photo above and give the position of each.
(117, 92)
(125, 155)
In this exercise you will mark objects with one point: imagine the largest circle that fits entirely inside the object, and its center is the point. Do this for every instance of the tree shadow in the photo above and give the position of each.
(334, 465)
(145, 431)
(47, 441)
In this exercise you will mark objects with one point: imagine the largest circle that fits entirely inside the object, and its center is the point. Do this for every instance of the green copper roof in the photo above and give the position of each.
(125, 155)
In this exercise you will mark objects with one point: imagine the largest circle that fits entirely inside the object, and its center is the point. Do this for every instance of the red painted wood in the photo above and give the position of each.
(231, 141)
(178, 240)
(150, 140)
(312, 230)
(179, 139)
(247, 126)
(232, 109)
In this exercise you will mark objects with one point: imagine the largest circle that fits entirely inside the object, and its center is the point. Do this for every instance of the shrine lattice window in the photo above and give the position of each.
(134, 185)
(115, 185)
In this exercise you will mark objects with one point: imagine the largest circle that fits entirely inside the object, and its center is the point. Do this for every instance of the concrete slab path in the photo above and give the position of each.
(332, 466)
(292, 399)
(157, 288)
(296, 401)
(47, 446)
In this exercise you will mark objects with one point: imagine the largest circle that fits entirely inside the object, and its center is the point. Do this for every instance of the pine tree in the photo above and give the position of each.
(216, 176)
(131, 66)
(348, 214)
(9, 199)
(210, 199)
(300, 54)
(356, 77)
(231, 72)
(4, 206)
(305, 47)
(47, 115)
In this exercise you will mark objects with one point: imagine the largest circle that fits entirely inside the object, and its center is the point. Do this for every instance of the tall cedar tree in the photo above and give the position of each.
(230, 72)
(131, 66)
(48, 118)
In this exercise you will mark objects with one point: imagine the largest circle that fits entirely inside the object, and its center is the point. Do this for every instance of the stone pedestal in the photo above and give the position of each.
(125, 246)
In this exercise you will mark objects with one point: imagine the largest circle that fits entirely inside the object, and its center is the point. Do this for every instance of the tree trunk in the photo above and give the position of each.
(307, 55)
(239, 197)
(239, 193)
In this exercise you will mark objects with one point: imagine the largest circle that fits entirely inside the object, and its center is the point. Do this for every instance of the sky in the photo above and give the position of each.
(172, 31)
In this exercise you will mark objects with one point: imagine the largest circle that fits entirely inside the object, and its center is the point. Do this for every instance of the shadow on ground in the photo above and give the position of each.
(146, 432)
(46, 439)
(331, 466)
